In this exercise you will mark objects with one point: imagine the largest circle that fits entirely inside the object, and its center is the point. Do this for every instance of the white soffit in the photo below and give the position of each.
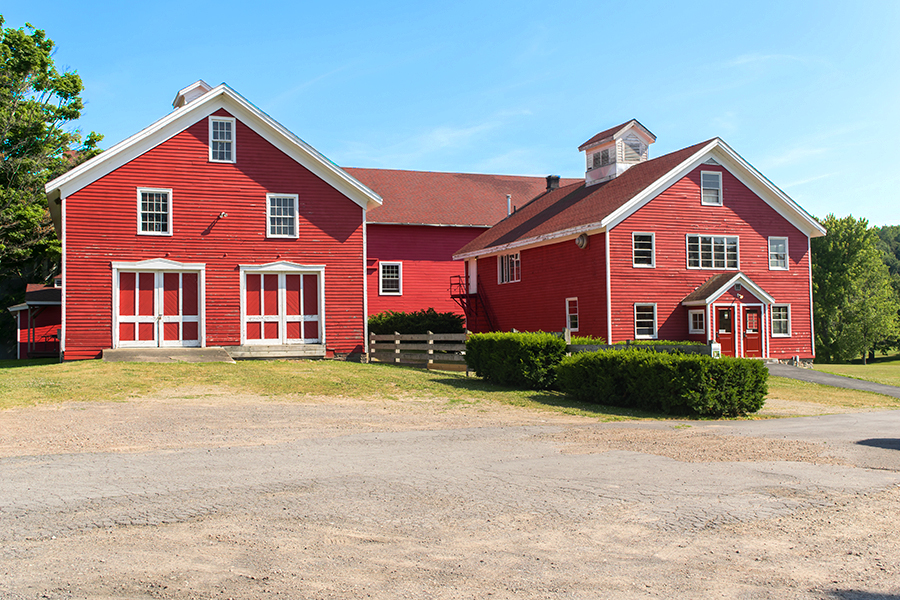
(181, 118)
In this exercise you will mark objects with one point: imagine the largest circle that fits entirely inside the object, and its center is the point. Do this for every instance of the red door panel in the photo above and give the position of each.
(725, 330)
(752, 341)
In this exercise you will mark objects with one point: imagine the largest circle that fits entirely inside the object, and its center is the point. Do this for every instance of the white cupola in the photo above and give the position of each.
(190, 93)
(610, 153)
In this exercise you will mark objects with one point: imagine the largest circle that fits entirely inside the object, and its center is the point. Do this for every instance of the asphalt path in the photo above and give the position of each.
(813, 376)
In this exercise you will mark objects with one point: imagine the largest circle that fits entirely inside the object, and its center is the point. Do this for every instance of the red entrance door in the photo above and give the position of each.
(725, 330)
(752, 343)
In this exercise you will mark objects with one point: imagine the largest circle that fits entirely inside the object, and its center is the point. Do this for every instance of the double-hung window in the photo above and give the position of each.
(711, 188)
(643, 250)
(281, 216)
(778, 253)
(509, 268)
(712, 252)
(390, 278)
(696, 321)
(221, 139)
(154, 211)
(645, 321)
(572, 314)
(781, 320)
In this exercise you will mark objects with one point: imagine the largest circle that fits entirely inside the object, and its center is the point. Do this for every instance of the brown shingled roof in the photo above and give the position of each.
(427, 197)
(608, 133)
(576, 204)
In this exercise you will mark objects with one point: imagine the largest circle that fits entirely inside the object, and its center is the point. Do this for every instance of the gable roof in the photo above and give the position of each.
(448, 199)
(186, 115)
(577, 208)
(717, 285)
(613, 131)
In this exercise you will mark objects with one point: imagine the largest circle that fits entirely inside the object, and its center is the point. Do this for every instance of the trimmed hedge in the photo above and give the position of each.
(681, 384)
(420, 322)
(525, 360)
(587, 340)
(659, 343)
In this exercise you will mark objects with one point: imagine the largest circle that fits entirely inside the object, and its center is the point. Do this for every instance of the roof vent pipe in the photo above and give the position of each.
(508, 204)
(552, 182)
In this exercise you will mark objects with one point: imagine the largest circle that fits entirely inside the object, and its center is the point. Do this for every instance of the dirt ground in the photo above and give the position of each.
(201, 494)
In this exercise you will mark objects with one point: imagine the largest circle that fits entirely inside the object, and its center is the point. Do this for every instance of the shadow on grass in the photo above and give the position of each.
(552, 399)
(28, 362)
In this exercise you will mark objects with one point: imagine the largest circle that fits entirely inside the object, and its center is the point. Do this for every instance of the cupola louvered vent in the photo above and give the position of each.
(610, 153)
(632, 149)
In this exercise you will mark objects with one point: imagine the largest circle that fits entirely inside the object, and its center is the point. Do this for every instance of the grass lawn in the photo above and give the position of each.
(884, 369)
(26, 383)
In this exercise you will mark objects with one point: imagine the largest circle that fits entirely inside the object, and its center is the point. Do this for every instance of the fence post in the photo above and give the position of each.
(567, 335)
(396, 346)
(430, 349)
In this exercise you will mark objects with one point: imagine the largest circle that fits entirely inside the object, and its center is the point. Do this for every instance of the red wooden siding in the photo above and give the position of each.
(101, 226)
(672, 216)
(550, 274)
(428, 265)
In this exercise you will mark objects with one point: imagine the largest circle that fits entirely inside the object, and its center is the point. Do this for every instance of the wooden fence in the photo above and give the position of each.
(427, 348)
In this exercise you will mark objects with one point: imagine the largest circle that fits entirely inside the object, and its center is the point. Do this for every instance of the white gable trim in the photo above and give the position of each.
(181, 118)
(720, 152)
(282, 267)
(738, 278)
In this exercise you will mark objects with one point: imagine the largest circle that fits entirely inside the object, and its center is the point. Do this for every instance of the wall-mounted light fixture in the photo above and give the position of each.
(223, 214)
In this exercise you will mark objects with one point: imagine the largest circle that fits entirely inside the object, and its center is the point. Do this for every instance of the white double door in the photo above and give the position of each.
(282, 308)
(158, 309)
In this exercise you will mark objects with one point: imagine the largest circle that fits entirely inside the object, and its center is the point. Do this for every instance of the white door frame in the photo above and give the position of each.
(158, 266)
(282, 268)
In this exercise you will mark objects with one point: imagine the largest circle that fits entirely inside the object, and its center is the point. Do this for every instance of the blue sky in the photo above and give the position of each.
(808, 92)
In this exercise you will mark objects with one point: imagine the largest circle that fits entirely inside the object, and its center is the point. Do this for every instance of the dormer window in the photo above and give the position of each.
(711, 188)
(221, 139)
(600, 159)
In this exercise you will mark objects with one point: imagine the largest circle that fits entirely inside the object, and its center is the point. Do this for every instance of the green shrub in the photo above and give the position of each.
(421, 321)
(587, 340)
(683, 384)
(525, 360)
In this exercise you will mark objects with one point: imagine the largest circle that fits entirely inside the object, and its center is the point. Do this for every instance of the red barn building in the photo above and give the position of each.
(693, 245)
(214, 226)
(425, 218)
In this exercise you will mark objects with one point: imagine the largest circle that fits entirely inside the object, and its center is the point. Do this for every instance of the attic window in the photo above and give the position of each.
(221, 139)
(634, 149)
(711, 188)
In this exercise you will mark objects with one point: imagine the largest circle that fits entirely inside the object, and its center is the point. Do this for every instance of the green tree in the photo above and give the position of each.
(855, 305)
(37, 106)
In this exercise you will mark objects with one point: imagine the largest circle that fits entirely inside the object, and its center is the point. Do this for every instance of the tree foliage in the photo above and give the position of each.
(855, 304)
(37, 105)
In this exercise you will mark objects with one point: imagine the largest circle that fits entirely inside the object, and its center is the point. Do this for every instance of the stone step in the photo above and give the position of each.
(273, 352)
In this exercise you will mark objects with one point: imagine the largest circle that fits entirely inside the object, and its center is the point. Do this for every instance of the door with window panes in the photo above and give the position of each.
(282, 308)
(158, 309)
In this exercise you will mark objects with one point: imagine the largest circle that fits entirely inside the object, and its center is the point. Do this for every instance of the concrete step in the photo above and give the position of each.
(190, 355)
(253, 352)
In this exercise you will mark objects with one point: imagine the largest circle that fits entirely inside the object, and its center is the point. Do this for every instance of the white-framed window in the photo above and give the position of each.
(713, 252)
(778, 253)
(221, 139)
(281, 216)
(390, 279)
(697, 321)
(572, 314)
(645, 321)
(781, 320)
(643, 249)
(711, 188)
(509, 268)
(154, 211)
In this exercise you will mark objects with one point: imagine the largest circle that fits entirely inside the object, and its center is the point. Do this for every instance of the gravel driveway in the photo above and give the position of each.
(199, 494)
